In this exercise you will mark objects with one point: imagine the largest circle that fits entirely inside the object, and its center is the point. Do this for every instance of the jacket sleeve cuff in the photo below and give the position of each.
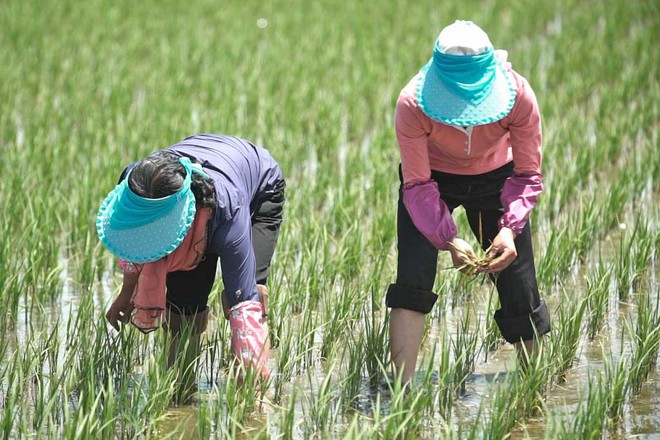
(519, 196)
(429, 213)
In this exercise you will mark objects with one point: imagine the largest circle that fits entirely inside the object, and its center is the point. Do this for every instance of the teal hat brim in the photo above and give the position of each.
(148, 242)
(441, 104)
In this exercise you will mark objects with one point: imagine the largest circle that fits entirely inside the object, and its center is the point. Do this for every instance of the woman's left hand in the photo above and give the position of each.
(503, 251)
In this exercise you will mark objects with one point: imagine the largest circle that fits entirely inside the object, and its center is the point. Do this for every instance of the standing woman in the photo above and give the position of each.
(469, 131)
(169, 220)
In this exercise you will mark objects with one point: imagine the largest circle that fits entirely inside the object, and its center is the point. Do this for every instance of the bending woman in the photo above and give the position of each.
(172, 216)
(469, 131)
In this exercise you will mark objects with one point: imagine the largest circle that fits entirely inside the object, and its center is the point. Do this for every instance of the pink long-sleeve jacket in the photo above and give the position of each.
(427, 145)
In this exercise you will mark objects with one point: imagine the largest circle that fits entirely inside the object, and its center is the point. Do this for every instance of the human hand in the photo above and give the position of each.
(502, 251)
(263, 298)
(460, 250)
(119, 311)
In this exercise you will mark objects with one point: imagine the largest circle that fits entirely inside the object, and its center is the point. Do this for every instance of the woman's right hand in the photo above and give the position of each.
(459, 250)
(121, 308)
(119, 311)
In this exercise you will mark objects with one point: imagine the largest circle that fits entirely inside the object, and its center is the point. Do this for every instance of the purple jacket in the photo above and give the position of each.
(244, 174)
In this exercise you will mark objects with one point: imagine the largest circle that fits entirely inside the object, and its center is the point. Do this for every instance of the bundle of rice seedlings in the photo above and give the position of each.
(473, 264)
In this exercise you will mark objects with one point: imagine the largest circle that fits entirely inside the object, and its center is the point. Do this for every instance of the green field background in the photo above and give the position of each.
(87, 87)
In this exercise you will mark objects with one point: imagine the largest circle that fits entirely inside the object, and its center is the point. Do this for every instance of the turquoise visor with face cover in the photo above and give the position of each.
(140, 229)
(465, 89)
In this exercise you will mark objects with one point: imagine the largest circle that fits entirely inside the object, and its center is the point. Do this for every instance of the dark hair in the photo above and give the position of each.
(161, 174)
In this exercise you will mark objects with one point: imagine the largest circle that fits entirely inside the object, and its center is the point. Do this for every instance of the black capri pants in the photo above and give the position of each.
(188, 291)
(522, 312)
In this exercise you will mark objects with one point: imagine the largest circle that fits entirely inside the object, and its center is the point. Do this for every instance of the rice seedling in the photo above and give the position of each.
(558, 258)
(465, 348)
(598, 295)
(473, 264)
(600, 407)
(589, 420)
(375, 350)
(646, 342)
(353, 361)
(323, 408)
(492, 338)
(634, 257)
(439, 377)
(289, 422)
(336, 321)
(406, 413)
(617, 386)
(565, 341)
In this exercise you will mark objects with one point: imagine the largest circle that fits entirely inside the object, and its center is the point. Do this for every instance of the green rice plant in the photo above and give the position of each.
(588, 226)
(407, 413)
(294, 355)
(502, 413)
(375, 349)
(537, 375)
(492, 337)
(89, 268)
(617, 386)
(589, 420)
(12, 396)
(439, 377)
(323, 408)
(305, 339)
(598, 295)
(517, 398)
(288, 424)
(216, 351)
(241, 400)
(607, 394)
(564, 342)
(204, 413)
(465, 348)
(42, 351)
(615, 202)
(645, 338)
(352, 375)
(284, 364)
(336, 320)
(558, 258)
(601, 407)
(634, 257)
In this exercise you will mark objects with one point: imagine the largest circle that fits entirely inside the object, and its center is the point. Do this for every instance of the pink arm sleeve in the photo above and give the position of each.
(521, 191)
(519, 196)
(429, 213)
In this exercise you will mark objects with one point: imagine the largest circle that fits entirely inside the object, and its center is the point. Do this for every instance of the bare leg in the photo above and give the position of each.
(526, 350)
(406, 331)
